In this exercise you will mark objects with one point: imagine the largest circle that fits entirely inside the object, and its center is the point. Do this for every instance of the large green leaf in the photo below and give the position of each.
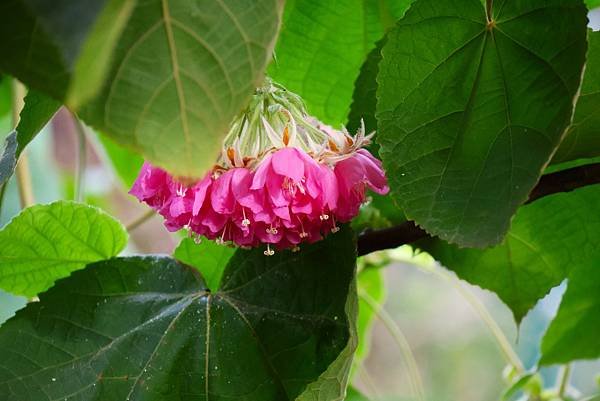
(470, 112)
(583, 138)
(36, 113)
(208, 257)
(62, 47)
(547, 238)
(182, 70)
(47, 242)
(574, 332)
(147, 328)
(323, 45)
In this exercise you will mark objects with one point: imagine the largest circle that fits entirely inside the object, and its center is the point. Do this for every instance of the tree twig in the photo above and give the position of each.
(408, 232)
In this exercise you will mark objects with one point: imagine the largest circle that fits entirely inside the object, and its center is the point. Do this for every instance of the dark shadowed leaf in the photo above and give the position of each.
(62, 47)
(547, 238)
(574, 332)
(469, 112)
(583, 138)
(181, 71)
(208, 257)
(147, 328)
(47, 242)
(36, 113)
(364, 99)
(323, 45)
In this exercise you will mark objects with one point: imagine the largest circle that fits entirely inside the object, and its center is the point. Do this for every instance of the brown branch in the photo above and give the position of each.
(408, 232)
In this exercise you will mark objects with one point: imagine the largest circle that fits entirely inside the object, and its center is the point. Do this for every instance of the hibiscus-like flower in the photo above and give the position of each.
(283, 178)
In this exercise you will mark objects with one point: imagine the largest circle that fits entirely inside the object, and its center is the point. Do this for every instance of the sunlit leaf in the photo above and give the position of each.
(323, 45)
(47, 242)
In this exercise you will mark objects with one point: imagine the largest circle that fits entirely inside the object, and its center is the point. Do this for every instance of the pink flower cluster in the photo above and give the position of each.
(287, 198)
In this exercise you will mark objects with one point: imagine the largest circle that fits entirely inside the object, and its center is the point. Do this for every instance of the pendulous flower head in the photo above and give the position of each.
(283, 178)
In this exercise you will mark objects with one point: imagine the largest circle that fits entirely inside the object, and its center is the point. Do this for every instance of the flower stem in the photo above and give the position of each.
(509, 354)
(140, 220)
(22, 172)
(81, 160)
(400, 339)
(563, 380)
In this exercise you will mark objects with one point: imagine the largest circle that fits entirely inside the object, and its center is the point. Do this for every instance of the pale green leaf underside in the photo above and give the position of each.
(547, 239)
(47, 242)
(469, 116)
(181, 72)
(147, 328)
(322, 47)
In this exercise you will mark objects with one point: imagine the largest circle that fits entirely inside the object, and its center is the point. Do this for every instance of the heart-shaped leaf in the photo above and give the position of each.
(47, 242)
(147, 328)
(472, 103)
(181, 72)
(547, 239)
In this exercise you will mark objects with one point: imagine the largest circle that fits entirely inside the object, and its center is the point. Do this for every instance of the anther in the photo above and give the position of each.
(269, 251)
(324, 217)
(245, 222)
(303, 234)
(296, 249)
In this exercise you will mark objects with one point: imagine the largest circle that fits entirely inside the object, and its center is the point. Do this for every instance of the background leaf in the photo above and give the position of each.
(126, 164)
(181, 72)
(322, 46)
(469, 116)
(47, 242)
(574, 332)
(547, 238)
(583, 138)
(147, 328)
(36, 113)
(63, 48)
(209, 258)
